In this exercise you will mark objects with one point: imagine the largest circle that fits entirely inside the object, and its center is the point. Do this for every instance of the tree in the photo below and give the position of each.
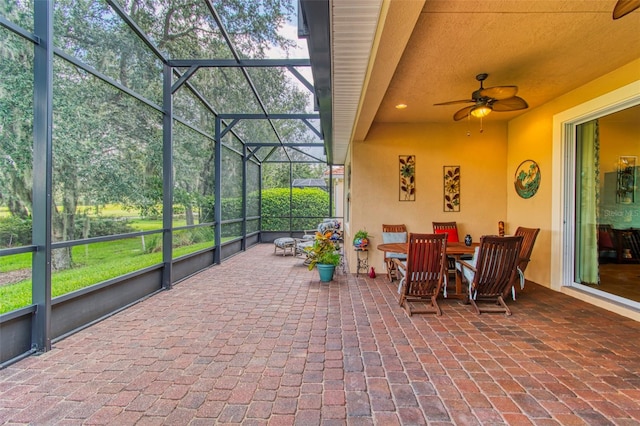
(107, 145)
(16, 117)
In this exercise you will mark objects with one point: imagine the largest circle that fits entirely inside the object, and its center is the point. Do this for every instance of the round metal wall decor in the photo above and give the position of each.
(527, 179)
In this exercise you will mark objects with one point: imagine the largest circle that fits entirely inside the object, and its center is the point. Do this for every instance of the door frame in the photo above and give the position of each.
(564, 197)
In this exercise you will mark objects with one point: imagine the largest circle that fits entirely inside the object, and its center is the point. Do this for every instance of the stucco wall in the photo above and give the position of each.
(375, 180)
(530, 136)
(488, 162)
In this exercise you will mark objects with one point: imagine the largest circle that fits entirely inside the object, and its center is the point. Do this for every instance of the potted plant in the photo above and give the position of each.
(361, 239)
(324, 255)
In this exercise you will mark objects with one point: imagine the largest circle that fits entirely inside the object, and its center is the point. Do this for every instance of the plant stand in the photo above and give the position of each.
(362, 256)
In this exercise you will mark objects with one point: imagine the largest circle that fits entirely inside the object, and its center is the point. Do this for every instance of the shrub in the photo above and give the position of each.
(231, 208)
(201, 235)
(101, 226)
(153, 244)
(15, 231)
(277, 204)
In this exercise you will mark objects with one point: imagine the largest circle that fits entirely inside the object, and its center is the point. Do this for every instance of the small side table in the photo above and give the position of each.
(362, 256)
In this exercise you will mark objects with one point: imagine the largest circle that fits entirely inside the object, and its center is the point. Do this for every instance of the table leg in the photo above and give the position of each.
(458, 294)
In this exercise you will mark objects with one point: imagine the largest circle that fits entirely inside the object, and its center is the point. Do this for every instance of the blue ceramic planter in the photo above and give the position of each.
(325, 271)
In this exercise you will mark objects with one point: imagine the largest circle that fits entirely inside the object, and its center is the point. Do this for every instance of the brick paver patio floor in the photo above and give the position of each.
(259, 340)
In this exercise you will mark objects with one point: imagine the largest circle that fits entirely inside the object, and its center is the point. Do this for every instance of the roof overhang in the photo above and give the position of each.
(340, 39)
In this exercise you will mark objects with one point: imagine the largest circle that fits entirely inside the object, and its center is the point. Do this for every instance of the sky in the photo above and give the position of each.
(290, 31)
(301, 51)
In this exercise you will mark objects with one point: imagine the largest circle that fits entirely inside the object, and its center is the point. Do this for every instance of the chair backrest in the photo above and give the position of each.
(635, 243)
(606, 237)
(332, 225)
(496, 265)
(450, 228)
(629, 241)
(426, 264)
(529, 236)
(394, 234)
(394, 228)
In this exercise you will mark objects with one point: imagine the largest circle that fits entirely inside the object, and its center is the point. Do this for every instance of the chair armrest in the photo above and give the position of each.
(467, 265)
(466, 271)
(400, 267)
(309, 234)
(469, 276)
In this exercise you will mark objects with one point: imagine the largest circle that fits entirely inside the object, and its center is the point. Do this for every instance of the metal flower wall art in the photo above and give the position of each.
(451, 189)
(407, 178)
(626, 182)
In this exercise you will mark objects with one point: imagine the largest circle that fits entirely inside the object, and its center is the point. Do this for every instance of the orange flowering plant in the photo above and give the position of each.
(324, 250)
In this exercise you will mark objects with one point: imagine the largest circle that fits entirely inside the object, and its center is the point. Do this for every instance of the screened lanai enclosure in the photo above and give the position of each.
(141, 142)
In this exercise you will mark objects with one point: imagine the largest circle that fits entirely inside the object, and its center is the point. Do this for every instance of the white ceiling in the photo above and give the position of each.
(426, 52)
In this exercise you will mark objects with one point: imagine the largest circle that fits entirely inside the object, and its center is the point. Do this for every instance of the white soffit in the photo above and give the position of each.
(353, 28)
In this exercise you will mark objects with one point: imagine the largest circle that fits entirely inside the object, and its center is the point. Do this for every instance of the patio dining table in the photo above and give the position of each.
(455, 250)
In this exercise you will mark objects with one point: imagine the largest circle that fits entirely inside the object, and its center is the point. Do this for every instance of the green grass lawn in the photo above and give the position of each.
(15, 262)
(93, 263)
(97, 262)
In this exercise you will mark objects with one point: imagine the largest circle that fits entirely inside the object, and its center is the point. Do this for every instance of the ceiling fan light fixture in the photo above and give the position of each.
(480, 111)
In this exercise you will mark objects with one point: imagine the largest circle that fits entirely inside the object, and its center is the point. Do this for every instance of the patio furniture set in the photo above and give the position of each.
(296, 246)
(425, 263)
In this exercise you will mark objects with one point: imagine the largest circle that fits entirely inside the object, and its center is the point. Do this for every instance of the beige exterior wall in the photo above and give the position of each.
(375, 180)
(488, 162)
(531, 137)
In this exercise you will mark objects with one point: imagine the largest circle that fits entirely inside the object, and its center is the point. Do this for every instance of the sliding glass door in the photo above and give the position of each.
(607, 204)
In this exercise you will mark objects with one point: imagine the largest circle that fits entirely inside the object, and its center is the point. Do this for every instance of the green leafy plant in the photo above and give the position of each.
(361, 234)
(361, 238)
(323, 251)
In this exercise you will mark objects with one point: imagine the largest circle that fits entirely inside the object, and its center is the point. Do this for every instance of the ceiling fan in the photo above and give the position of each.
(497, 98)
(624, 7)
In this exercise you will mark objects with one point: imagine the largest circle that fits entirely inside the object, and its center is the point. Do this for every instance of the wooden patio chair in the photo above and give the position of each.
(607, 247)
(628, 245)
(494, 271)
(529, 236)
(423, 272)
(449, 228)
(393, 234)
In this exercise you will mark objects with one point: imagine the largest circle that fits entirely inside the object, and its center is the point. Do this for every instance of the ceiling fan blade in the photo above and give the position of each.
(463, 113)
(499, 92)
(624, 7)
(462, 101)
(514, 103)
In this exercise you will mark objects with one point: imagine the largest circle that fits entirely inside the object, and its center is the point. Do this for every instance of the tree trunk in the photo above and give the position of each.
(18, 208)
(188, 212)
(19, 194)
(207, 208)
(62, 226)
